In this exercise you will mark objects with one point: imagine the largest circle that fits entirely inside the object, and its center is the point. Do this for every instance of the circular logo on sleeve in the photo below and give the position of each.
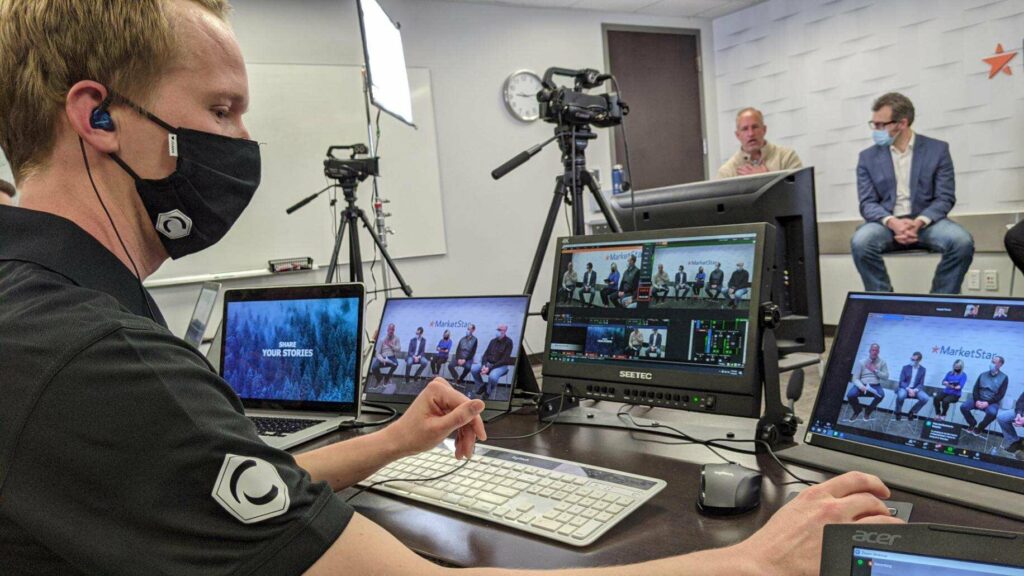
(250, 489)
(174, 224)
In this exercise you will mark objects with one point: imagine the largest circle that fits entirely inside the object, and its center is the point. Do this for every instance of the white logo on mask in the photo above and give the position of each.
(174, 224)
(250, 489)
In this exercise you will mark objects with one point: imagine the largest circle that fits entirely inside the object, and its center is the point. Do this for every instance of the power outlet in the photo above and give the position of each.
(974, 280)
(991, 280)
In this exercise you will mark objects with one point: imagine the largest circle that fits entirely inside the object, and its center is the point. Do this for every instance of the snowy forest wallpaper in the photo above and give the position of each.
(293, 349)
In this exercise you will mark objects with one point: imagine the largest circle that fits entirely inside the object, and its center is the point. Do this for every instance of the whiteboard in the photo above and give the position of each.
(296, 112)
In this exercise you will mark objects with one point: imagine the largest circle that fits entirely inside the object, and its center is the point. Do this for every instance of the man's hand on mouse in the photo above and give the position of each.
(790, 542)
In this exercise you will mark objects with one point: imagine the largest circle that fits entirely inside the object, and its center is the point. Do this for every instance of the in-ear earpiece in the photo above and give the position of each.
(100, 119)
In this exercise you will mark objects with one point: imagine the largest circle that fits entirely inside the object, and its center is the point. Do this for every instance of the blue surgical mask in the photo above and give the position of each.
(992, 367)
(498, 334)
(882, 137)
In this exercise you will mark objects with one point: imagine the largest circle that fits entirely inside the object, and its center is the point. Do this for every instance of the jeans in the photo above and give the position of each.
(682, 290)
(588, 295)
(410, 362)
(990, 414)
(1005, 419)
(659, 294)
(493, 377)
(377, 365)
(946, 237)
(713, 290)
(738, 295)
(902, 395)
(876, 392)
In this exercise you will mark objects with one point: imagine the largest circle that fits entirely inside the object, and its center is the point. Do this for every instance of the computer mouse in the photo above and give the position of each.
(727, 489)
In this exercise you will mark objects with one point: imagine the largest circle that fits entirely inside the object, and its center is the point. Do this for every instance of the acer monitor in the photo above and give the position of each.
(784, 199)
(666, 318)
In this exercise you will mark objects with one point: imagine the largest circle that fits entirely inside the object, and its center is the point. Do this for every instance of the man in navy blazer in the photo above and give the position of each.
(912, 386)
(906, 187)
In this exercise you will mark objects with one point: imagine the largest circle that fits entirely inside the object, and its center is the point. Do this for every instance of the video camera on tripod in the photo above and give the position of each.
(564, 106)
(351, 167)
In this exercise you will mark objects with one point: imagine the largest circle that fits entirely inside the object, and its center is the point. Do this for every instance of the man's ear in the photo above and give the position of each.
(80, 106)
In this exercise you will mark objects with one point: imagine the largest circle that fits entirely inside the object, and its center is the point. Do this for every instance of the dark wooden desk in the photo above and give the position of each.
(667, 525)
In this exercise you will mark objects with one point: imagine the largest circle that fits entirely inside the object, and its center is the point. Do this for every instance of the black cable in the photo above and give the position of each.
(432, 478)
(625, 147)
(142, 289)
(357, 424)
(718, 443)
(561, 403)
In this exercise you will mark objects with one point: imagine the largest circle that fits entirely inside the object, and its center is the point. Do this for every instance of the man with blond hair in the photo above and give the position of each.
(7, 193)
(123, 124)
(756, 155)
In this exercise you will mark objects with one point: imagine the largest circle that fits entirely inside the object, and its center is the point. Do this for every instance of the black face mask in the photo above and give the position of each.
(214, 180)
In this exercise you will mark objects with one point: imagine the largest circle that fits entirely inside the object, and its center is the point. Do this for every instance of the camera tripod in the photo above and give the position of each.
(572, 141)
(351, 216)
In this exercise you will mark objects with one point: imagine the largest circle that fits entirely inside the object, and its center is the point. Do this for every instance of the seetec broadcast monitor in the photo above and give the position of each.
(782, 199)
(385, 61)
(928, 382)
(665, 318)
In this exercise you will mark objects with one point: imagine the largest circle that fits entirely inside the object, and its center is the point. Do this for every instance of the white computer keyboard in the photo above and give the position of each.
(565, 501)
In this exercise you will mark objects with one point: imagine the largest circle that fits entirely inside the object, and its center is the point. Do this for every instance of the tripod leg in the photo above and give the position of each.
(384, 252)
(608, 216)
(355, 257)
(334, 253)
(545, 236)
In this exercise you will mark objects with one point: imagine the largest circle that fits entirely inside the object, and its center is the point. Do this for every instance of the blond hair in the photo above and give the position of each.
(46, 46)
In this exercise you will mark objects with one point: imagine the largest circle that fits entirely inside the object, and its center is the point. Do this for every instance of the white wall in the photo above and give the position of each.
(814, 67)
(491, 227)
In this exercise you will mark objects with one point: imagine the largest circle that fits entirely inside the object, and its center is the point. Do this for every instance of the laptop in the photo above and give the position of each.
(924, 391)
(201, 313)
(920, 550)
(292, 354)
(473, 342)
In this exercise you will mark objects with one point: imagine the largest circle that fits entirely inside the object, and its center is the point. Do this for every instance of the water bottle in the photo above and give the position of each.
(616, 179)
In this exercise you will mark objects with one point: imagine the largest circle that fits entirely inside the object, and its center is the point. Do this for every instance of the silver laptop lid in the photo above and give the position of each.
(294, 348)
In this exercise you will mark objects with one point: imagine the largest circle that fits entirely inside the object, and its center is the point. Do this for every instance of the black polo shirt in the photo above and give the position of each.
(121, 451)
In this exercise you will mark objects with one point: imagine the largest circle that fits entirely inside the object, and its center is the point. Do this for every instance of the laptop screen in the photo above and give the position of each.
(930, 382)
(868, 562)
(295, 347)
(473, 342)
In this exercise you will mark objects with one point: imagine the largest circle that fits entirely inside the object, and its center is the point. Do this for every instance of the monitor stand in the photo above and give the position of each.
(964, 493)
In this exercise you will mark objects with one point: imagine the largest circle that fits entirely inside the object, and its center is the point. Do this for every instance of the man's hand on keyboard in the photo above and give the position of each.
(434, 415)
(790, 543)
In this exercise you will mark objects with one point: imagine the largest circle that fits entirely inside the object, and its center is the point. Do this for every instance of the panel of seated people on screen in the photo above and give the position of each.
(297, 350)
(945, 380)
(471, 342)
(620, 302)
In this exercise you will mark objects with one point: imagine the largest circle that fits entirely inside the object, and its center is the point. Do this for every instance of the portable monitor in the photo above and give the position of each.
(201, 313)
(666, 318)
(292, 354)
(934, 383)
(473, 342)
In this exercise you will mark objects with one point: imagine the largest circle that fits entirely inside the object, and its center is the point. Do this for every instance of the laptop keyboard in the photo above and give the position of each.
(269, 426)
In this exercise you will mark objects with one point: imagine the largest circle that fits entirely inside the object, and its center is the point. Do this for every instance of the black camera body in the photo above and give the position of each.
(351, 167)
(574, 107)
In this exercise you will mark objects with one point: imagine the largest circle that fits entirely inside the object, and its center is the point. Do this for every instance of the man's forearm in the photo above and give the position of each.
(343, 464)
(724, 561)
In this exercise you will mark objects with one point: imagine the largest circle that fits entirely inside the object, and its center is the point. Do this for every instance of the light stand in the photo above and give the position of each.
(379, 215)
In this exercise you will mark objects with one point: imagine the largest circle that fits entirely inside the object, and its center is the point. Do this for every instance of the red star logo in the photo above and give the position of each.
(1000, 62)
(935, 349)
